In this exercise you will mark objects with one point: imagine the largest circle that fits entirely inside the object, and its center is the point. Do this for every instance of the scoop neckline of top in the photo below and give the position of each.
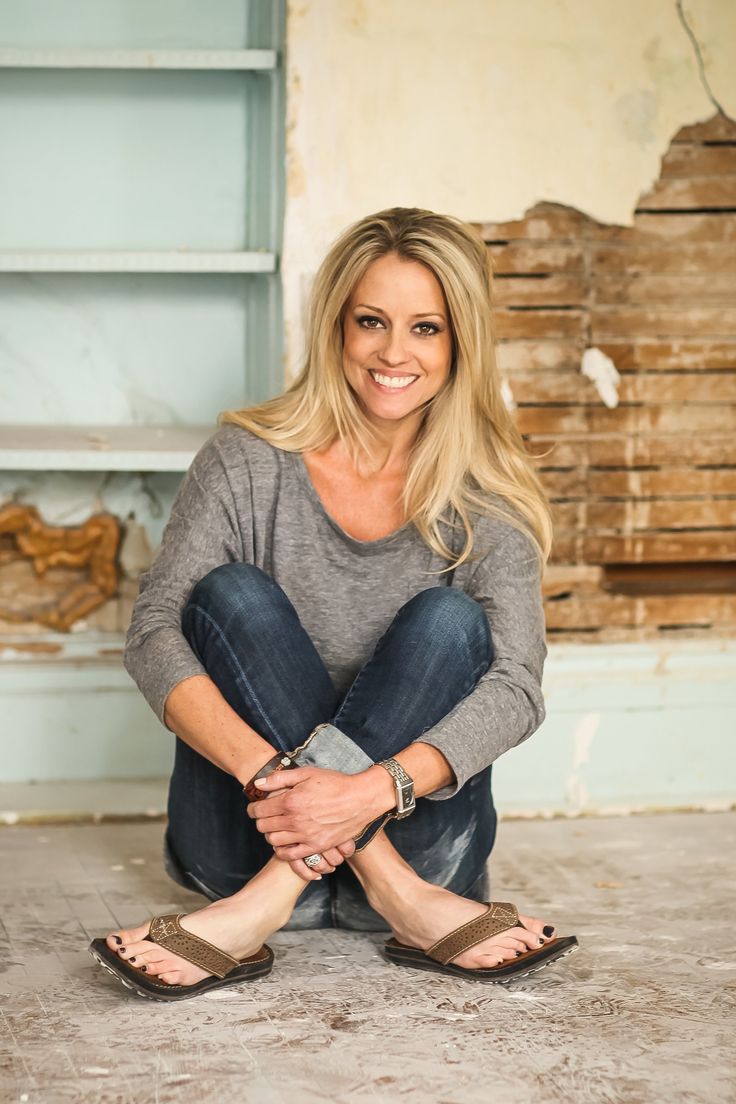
(398, 535)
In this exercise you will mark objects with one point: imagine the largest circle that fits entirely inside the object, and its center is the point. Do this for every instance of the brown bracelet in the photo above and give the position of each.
(281, 762)
(284, 760)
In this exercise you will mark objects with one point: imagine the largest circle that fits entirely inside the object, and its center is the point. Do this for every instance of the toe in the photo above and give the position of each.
(537, 927)
(122, 937)
(134, 948)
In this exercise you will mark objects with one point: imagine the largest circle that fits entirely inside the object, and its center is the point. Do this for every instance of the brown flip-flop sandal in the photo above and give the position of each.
(499, 917)
(168, 933)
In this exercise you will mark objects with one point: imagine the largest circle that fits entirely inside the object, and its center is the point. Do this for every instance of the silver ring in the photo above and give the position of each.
(313, 860)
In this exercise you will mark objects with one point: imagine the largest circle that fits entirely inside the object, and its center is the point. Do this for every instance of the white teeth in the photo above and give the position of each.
(397, 382)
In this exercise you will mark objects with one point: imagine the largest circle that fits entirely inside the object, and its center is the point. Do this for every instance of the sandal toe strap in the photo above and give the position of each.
(499, 917)
(168, 933)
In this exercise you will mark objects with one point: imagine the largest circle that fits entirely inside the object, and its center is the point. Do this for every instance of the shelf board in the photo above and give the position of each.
(162, 261)
(138, 59)
(100, 448)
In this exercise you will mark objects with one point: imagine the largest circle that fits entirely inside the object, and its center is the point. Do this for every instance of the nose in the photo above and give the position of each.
(393, 353)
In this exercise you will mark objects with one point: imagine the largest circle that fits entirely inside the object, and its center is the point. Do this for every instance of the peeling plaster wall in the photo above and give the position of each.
(481, 109)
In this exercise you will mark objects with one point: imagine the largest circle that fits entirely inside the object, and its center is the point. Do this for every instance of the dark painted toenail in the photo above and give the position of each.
(541, 941)
(117, 939)
(519, 954)
(143, 968)
(132, 958)
(548, 930)
(121, 950)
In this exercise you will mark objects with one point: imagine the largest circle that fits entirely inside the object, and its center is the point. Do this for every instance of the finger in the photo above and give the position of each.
(347, 849)
(282, 839)
(323, 867)
(297, 851)
(280, 780)
(273, 807)
(304, 872)
(334, 856)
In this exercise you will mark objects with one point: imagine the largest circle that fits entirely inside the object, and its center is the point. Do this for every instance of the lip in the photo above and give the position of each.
(393, 375)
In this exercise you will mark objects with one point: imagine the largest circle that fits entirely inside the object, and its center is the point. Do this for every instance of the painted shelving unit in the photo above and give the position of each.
(141, 199)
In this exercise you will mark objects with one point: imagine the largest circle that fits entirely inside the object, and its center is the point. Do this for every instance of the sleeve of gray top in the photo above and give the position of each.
(202, 533)
(507, 705)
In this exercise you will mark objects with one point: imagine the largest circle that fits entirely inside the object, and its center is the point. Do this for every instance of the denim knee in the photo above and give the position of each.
(233, 586)
(449, 614)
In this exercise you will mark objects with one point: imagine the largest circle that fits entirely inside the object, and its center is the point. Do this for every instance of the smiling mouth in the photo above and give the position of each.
(394, 383)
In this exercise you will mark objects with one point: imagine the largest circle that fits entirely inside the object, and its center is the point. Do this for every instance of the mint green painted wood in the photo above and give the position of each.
(127, 350)
(79, 722)
(629, 726)
(172, 24)
(148, 160)
(669, 744)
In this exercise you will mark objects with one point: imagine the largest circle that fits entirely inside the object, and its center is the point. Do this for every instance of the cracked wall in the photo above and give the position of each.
(482, 110)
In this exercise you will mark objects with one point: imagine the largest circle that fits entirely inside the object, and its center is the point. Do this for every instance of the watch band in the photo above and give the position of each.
(403, 787)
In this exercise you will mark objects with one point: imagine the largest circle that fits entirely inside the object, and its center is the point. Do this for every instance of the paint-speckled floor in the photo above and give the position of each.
(644, 1012)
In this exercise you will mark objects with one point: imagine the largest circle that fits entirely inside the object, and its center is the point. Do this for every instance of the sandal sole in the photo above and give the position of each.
(177, 992)
(413, 958)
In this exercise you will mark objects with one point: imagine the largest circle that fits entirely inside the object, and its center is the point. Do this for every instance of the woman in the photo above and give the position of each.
(345, 616)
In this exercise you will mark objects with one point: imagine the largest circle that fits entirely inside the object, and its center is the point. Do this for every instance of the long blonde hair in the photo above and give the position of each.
(468, 447)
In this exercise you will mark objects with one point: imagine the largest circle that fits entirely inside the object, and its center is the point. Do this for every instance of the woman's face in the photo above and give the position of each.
(397, 342)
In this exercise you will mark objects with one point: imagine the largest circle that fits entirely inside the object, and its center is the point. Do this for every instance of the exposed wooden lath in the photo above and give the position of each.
(652, 479)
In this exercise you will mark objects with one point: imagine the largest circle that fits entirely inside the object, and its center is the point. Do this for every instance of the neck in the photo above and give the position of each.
(389, 451)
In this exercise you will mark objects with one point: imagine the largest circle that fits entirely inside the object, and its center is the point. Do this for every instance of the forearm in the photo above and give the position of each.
(198, 714)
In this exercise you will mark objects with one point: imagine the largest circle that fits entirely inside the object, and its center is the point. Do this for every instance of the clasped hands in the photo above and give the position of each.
(311, 810)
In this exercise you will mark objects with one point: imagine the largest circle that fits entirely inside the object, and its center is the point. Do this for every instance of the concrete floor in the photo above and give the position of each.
(644, 1012)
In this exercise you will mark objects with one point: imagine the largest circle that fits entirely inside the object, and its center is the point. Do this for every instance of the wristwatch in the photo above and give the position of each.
(404, 787)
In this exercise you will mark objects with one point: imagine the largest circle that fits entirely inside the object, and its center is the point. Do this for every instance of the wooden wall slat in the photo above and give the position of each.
(694, 159)
(645, 287)
(687, 547)
(678, 257)
(624, 609)
(697, 191)
(632, 421)
(665, 321)
(588, 483)
(655, 356)
(660, 387)
(632, 452)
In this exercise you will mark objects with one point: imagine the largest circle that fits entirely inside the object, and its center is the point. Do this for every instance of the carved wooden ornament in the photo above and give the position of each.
(74, 567)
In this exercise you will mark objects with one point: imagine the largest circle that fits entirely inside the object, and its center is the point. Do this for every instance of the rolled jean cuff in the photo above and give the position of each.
(331, 749)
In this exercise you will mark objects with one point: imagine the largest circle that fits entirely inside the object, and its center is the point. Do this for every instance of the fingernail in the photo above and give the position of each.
(117, 939)
(318, 878)
(260, 783)
(548, 930)
(132, 959)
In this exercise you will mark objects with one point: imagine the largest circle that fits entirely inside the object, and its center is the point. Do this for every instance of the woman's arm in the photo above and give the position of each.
(197, 713)
(203, 531)
(507, 705)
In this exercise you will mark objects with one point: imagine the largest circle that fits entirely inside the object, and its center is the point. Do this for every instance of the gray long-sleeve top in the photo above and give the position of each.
(244, 500)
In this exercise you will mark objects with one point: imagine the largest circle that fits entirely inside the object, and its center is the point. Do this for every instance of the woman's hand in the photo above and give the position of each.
(312, 810)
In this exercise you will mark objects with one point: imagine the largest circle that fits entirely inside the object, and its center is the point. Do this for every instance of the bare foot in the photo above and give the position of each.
(421, 914)
(237, 925)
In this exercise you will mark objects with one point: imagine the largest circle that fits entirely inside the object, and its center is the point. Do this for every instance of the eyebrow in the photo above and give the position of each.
(422, 314)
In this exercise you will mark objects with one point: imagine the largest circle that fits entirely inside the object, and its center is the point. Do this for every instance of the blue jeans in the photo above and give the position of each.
(246, 633)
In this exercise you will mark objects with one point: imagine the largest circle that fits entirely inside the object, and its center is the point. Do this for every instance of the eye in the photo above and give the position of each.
(366, 320)
(427, 328)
